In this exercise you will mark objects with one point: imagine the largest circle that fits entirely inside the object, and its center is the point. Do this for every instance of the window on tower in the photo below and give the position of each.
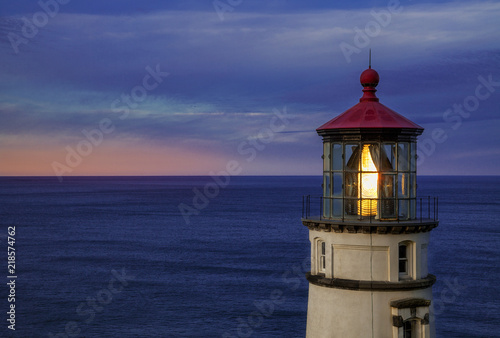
(321, 256)
(405, 260)
(408, 329)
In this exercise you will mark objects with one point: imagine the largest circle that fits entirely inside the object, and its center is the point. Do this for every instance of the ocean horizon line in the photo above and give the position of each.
(267, 175)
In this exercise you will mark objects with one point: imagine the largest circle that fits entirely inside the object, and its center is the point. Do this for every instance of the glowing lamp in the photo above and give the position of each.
(368, 189)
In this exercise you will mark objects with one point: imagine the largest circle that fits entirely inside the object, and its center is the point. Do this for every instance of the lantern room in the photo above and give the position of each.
(369, 161)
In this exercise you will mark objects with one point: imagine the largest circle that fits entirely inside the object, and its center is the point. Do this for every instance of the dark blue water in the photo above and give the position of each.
(113, 257)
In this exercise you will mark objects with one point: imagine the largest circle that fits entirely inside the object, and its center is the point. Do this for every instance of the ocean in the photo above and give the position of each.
(114, 256)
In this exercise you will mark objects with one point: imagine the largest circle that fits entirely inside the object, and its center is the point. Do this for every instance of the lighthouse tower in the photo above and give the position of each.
(369, 232)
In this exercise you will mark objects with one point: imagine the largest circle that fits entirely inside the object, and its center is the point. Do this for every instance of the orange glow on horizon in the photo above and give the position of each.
(109, 160)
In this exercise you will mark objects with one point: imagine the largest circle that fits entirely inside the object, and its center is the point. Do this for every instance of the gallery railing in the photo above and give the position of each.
(422, 209)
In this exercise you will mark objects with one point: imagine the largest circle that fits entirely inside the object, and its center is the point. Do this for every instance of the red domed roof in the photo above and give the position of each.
(369, 112)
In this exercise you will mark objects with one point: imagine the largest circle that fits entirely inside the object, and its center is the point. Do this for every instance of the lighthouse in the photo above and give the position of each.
(370, 232)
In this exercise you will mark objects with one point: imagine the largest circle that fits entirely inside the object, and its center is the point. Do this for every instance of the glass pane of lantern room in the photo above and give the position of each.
(337, 157)
(403, 185)
(388, 156)
(337, 194)
(413, 185)
(370, 156)
(337, 207)
(388, 186)
(351, 178)
(413, 156)
(326, 184)
(352, 157)
(351, 193)
(403, 156)
(326, 156)
(404, 209)
(337, 185)
(388, 196)
(413, 195)
(326, 195)
(413, 208)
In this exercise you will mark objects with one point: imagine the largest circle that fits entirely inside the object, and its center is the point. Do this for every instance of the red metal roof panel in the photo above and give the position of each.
(369, 114)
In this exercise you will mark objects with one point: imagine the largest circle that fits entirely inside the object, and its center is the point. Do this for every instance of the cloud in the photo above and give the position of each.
(226, 77)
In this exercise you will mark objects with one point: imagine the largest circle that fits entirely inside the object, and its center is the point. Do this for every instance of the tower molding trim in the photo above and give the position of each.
(410, 303)
(366, 285)
(380, 227)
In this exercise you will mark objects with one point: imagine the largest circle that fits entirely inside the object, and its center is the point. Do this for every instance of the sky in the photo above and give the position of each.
(191, 87)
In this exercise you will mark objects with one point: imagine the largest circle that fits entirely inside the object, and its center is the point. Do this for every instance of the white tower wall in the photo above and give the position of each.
(356, 289)
(338, 313)
(368, 256)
